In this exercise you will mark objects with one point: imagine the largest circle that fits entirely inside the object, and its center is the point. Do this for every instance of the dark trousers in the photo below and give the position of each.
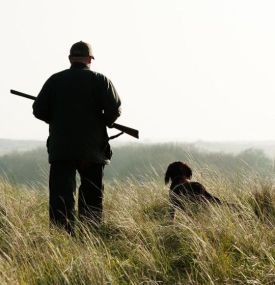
(62, 186)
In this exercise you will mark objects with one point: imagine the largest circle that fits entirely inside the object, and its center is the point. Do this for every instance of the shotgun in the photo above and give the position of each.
(129, 131)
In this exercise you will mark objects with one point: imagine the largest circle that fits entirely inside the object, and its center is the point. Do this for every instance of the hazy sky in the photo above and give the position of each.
(185, 69)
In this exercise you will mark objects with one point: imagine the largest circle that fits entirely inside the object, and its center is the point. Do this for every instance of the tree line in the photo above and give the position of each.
(142, 162)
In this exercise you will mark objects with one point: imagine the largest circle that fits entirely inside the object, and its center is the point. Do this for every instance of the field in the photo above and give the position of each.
(137, 243)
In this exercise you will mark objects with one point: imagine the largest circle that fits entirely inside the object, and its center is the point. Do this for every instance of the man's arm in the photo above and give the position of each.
(41, 105)
(110, 103)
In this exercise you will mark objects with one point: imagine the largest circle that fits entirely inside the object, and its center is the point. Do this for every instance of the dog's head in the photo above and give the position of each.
(177, 169)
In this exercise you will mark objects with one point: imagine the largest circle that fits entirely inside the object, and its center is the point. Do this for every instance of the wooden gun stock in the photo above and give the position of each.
(129, 131)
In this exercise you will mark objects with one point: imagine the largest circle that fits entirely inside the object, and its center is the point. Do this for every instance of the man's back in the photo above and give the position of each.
(78, 104)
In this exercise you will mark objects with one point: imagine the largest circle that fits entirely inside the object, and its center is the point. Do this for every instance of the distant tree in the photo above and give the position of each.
(142, 162)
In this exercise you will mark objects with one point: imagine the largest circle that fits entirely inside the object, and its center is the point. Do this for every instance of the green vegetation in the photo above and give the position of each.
(137, 244)
(142, 162)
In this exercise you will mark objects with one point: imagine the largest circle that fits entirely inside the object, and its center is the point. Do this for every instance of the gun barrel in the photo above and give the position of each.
(22, 94)
(124, 129)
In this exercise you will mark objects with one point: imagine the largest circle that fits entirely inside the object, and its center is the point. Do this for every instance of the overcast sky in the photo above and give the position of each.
(185, 69)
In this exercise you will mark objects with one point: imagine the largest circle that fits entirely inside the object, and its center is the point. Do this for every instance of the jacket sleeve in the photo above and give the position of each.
(41, 105)
(110, 103)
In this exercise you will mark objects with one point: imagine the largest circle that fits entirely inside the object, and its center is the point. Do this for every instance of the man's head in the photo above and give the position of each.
(81, 52)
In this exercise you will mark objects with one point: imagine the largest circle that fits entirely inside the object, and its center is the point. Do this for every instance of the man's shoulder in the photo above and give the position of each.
(58, 74)
(99, 78)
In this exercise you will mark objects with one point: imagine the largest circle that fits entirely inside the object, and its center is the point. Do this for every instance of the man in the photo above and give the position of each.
(78, 104)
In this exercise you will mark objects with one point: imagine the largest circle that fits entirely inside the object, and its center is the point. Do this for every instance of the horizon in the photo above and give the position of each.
(144, 141)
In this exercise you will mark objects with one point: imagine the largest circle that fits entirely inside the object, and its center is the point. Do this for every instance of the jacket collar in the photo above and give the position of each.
(79, 65)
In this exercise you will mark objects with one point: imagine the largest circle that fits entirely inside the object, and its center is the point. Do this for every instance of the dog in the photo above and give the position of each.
(181, 188)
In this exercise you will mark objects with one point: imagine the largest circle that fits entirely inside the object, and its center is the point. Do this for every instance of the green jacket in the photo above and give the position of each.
(78, 104)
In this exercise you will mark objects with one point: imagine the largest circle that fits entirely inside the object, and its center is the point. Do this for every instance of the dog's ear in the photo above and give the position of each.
(167, 175)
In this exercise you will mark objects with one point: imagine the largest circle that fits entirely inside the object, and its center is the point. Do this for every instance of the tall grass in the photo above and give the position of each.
(137, 243)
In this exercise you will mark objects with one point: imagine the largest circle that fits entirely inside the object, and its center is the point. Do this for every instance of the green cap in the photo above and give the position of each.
(81, 49)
